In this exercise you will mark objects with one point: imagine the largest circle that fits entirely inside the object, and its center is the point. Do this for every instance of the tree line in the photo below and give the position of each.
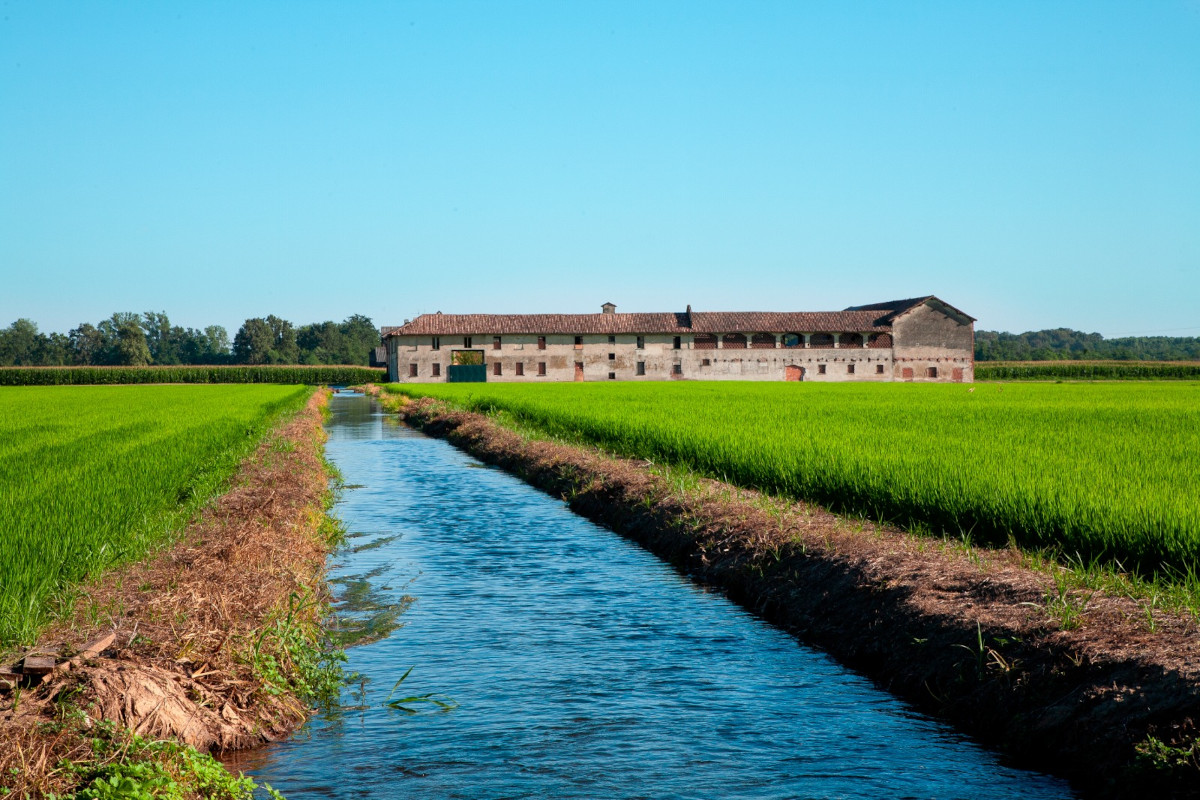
(128, 339)
(1060, 344)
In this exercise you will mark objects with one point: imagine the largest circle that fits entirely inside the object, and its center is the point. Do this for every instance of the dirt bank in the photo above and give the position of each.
(1069, 681)
(206, 643)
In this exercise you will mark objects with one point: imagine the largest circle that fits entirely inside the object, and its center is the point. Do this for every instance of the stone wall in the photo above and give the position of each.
(932, 345)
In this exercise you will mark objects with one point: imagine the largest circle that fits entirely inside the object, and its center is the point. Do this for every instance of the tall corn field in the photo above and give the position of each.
(1095, 471)
(94, 476)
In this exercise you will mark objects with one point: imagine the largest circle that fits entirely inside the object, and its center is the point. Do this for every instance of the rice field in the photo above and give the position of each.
(94, 476)
(1098, 472)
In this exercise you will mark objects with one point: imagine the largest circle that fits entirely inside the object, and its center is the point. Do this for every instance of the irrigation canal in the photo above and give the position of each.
(582, 666)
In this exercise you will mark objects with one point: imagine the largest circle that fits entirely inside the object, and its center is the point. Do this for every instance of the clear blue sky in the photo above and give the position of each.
(1036, 164)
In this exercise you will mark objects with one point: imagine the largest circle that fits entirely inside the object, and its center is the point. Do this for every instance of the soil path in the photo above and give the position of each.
(1070, 682)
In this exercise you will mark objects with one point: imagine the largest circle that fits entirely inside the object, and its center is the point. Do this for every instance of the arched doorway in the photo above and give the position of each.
(793, 373)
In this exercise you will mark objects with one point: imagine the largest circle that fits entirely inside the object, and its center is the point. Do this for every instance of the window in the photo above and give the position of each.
(437, 370)
(436, 343)
(466, 341)
(678, 345)
(612, 356)
(849, 369)
(579, 341)
(641, 368)
(641, 342)
(879, 369)
(520, 368)
(412, 370)
(677, 369)
(541, 368)
(496, 370)
(495, 342)
(612, 340)
(931, 372)
(706, 362)
(612, 376)
(793, 340)
(820, 369)
(541, 343)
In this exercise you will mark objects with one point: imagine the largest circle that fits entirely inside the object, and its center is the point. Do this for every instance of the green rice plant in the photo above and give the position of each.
(91, 477)
(1105, 472)
(405, 704)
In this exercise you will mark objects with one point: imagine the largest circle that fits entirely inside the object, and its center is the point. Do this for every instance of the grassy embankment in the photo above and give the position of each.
(91, 478)
(1104, 475)
(1087, 370)
(76, 376)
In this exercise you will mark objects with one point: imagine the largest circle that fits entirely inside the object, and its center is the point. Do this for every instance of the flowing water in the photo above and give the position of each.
(581, 665)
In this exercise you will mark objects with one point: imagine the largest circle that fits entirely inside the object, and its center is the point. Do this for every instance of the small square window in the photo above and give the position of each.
(496, 369)
(412, 370)
(849, 369)
(678, 343)
(437, 370)
(879, 369)
(641, 342)
(436, 343)
(495, 342)
(641, 368)
(612, 356)
(541, 343)
(820, 369)
(612, 340)
(677, 369)
(541, 368)
(706, 362)
(612, 376)
(931, 372)
(520, 368)
(579, 341)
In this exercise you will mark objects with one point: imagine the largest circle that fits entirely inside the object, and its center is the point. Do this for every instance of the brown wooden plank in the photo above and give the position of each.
(97, 645)
(37, 665)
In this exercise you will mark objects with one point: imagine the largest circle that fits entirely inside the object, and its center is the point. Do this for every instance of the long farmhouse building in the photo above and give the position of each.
(920, 339)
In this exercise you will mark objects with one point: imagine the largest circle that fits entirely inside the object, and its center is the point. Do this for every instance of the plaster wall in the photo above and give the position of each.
(620, 358)
(928, 341)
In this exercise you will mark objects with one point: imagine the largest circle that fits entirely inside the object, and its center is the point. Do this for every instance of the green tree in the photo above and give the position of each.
(88, 345)
(19, 344)
(252, 343)
(131, 349)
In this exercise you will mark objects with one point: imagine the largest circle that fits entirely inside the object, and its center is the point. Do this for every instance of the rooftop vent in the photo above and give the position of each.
(608, 308)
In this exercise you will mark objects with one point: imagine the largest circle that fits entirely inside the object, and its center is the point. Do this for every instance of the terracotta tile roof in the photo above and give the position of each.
(894, 308)
(670, 323)
(785, 321)
(499, 324)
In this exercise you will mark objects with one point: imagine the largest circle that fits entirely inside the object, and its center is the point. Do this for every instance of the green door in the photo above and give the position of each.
(466, 373)
(466, 366)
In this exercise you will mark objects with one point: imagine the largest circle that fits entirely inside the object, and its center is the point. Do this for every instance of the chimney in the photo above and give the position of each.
(608, 308)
